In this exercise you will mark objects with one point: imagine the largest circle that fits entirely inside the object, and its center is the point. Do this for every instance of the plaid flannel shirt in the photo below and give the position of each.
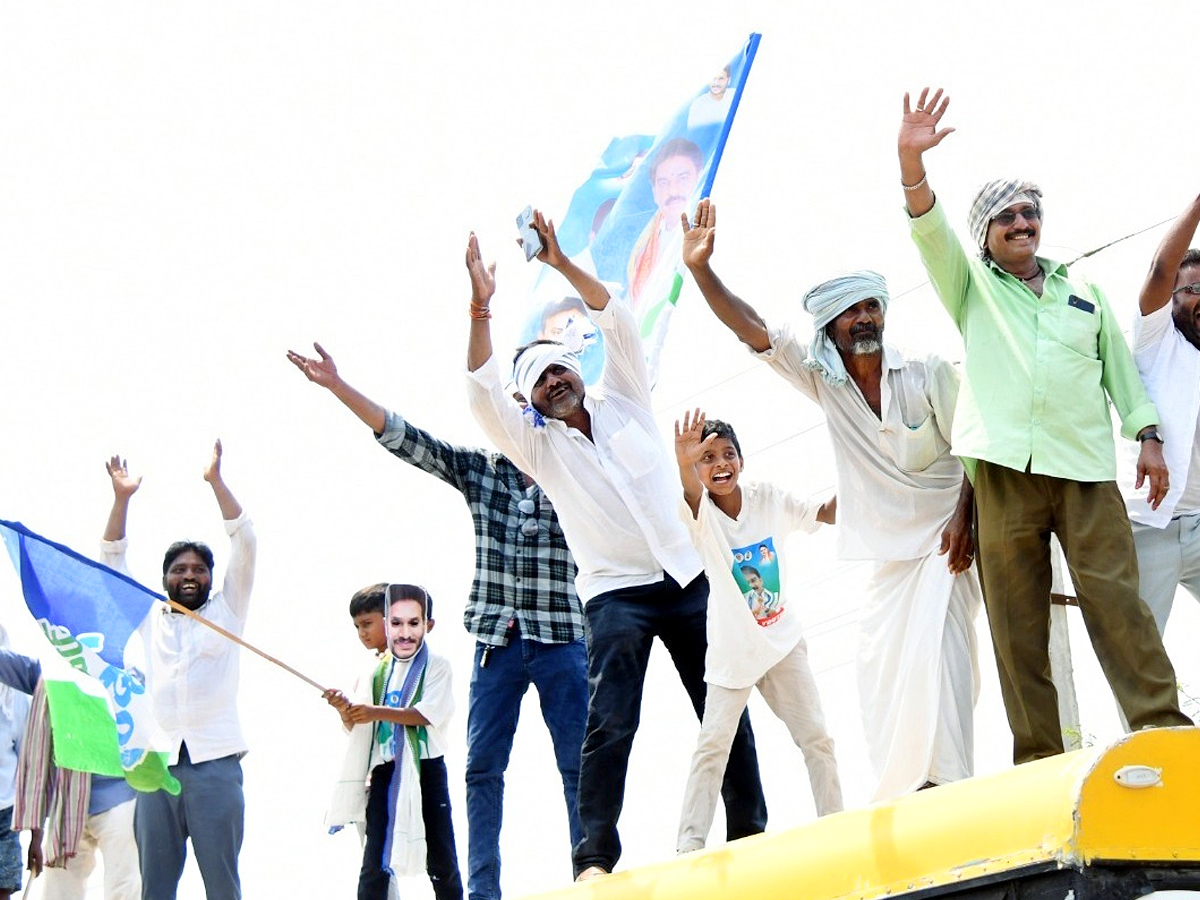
(526, 578)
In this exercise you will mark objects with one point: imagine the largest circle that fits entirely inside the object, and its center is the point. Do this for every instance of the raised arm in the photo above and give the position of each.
(919, 132)
(324, 372)
(589, 288)
(124, 487)
(483, 286)
(230, 508)
(1156, 291)
(735, 313)
(689, 449)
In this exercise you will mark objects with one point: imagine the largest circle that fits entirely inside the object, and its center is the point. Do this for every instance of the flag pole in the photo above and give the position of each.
(179, 607)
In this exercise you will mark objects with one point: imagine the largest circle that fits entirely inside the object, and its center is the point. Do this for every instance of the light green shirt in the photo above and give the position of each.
(1037, 368)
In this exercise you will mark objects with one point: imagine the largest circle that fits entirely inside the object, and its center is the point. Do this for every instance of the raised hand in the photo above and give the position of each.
(690, 445)
(699, 235)
(551, 254)
(321, 371)
(919, 127)
(483, 277)
(124, 485)
(212, 472)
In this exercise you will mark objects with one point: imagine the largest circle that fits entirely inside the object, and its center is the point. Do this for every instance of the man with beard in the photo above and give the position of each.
(600, 459)
(192, 677)
(903, 502)
(1166, 348)
(1044, 355)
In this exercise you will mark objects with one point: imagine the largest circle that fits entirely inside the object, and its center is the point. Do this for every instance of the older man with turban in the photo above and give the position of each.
(600, 459)
(1044, 355)
(903, 502)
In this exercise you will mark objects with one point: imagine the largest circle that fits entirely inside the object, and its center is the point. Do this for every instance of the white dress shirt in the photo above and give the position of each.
(615, 495)
(1170, 367)
(191, 671)
(897, 483)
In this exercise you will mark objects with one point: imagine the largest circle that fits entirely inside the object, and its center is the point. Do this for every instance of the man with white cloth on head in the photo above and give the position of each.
(903, 502)
(599, 457)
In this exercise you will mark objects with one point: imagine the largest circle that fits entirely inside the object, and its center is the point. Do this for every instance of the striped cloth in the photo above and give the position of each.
(995, 197)
(44, 790)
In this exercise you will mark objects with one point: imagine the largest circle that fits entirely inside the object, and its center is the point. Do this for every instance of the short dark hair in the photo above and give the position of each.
(411, 592)
(525, 347)
(722, 430)
(368, 600)
(676, 147)
(180, 547)
(1191, 258)
(750, 570)
(566, 304)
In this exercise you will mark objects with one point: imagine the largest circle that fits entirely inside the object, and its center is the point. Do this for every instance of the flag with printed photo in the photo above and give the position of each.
(100, 715)
(623, 224)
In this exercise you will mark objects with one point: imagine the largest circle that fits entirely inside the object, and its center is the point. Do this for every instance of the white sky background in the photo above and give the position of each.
(187, 190)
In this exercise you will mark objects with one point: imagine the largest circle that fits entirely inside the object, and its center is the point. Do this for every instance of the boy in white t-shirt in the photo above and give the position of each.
(398, 717)
(754, 637)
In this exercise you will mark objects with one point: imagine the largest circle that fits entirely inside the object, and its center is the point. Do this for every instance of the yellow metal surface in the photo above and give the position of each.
(1061, 810)
(1152, 823)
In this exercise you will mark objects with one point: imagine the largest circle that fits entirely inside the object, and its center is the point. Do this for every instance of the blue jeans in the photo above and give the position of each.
(622, 625)
(559, 672)
(210, 809)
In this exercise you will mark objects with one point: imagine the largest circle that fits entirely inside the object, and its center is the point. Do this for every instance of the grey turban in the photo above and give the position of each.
(995, 197)
(826, 302)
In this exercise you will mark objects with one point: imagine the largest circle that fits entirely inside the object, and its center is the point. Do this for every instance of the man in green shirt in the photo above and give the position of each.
(1044, 355)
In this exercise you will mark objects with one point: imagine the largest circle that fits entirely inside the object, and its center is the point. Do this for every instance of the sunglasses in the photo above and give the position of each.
(1028, 213)
(530, 526)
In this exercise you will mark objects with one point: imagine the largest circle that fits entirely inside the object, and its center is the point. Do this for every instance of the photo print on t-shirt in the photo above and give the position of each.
(756, 571)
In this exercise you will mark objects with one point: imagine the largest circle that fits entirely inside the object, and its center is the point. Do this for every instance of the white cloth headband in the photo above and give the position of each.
(826, 302)
(536, 359)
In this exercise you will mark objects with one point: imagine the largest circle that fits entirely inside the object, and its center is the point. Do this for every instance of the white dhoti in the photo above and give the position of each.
(918, 675)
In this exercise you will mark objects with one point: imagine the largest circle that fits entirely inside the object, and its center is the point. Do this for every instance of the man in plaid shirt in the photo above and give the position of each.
(523, 611)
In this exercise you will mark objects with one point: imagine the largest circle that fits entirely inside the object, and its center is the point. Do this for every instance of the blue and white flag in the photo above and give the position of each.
(623, 222)
(101, 723)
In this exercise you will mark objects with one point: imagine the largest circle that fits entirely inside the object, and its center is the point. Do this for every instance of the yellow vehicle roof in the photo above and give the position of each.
(1067, 811)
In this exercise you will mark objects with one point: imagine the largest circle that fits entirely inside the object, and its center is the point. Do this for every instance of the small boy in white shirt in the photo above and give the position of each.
(398, 719)
(752, 641)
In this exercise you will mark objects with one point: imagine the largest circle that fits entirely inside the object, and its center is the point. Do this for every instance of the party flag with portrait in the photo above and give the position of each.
(623, 223)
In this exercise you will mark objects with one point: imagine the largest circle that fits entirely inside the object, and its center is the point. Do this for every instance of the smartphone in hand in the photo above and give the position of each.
(531, 241)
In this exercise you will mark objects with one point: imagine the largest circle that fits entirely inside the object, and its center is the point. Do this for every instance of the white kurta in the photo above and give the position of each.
(897, 487)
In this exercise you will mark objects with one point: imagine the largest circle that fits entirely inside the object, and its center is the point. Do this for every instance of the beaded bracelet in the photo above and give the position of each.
(913, 187)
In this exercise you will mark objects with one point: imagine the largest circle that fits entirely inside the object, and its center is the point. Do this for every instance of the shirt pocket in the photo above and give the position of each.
(635, 449)
(914, 447)
(1076, 327)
